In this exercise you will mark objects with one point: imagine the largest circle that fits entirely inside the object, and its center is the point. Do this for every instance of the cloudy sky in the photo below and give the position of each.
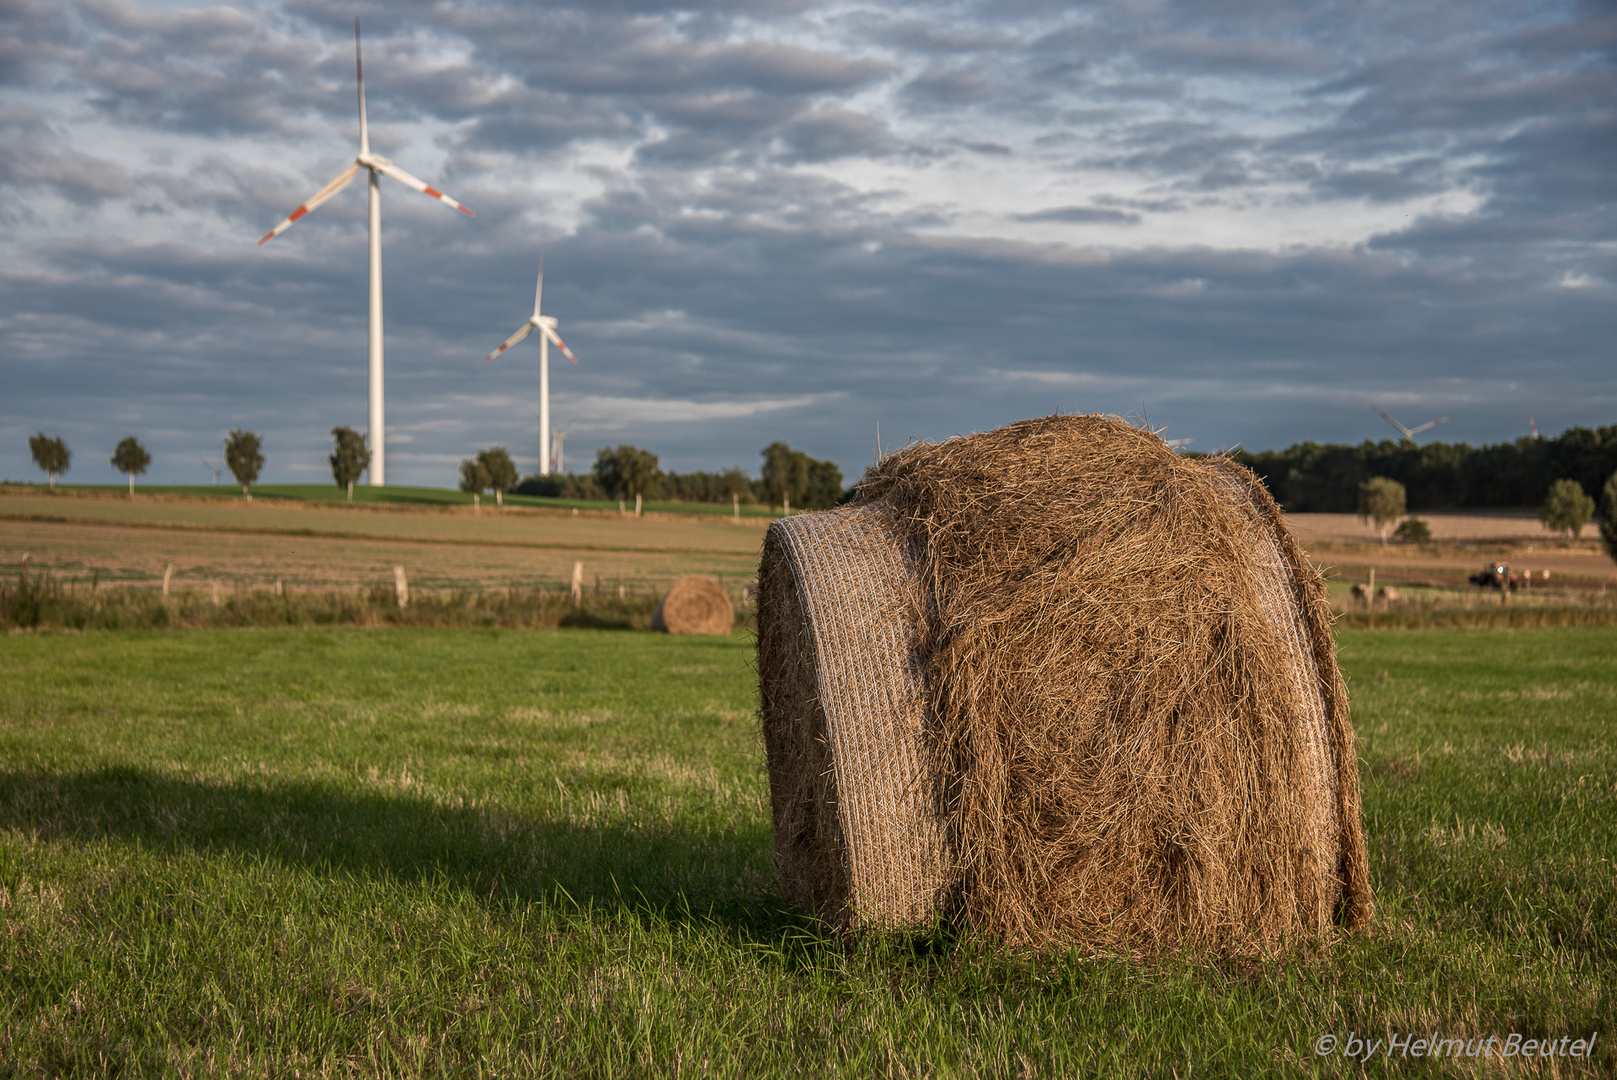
(802, 219)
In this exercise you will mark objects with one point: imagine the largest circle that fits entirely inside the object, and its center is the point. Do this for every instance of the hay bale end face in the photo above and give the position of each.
(1058, 684)
(694, 605)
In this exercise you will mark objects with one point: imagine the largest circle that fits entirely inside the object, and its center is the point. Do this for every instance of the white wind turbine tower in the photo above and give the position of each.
(375, 164)
(546, 325)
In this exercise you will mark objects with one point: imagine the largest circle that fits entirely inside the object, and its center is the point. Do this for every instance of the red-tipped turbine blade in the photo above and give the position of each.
(338, 182)
(552, 335)
(390, 169)
(510, 341)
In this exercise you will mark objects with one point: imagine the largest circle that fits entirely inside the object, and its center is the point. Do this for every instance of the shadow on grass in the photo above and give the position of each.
(687, 876)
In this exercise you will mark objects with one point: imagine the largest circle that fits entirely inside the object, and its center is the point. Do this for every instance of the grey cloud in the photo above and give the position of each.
(1263, 52)
(1082, 215)
(31, 157)
(827, 134)
(946, 87)
(1155, 206)
(1406, 181)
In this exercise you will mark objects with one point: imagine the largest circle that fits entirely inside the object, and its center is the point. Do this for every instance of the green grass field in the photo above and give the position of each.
(422, 852)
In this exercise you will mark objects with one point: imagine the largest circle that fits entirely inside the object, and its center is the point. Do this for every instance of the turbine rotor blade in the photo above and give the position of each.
(539, 290)
(387, 168)
(1430, 424)
(338, 182)
(510, 341)
(551, 334)
(359, 77)
(1401, 428)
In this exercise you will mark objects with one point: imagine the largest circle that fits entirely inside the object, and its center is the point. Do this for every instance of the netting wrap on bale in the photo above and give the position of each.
(1056, 683)
(838, 605)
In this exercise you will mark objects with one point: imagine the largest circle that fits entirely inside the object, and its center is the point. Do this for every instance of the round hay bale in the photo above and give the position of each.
(694, 605)
(1058, 684)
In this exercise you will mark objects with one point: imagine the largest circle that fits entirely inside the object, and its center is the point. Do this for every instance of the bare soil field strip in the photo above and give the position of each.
(245, 545)
(136, 555)
(1491, 525)
(585, 531)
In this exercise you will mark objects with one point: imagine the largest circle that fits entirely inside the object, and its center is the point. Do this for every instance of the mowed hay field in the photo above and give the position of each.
(419, 852)
(245, 545)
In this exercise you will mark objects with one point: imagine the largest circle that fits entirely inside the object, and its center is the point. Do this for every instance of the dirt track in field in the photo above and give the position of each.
(1462, 545)
(245, 545)
(242, 544)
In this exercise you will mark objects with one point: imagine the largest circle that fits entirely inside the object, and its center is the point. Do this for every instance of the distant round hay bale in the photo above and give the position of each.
(694, 605)
(1059, 684)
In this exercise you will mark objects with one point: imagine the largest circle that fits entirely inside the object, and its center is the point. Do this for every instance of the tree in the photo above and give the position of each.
(1381, 499)
(130, 457)
(1413, 531)
(824, 488)
(735, 484)
(51, 455)
(1566, 508)
(785, 474)
(474, 478)
(627, 470)
(1608, 517)
(500, 469)
(350, 457)
(791, 476)
(243, 456)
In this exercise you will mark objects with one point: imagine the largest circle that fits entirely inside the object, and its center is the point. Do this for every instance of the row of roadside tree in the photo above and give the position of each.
(788, 478)
(53, 457)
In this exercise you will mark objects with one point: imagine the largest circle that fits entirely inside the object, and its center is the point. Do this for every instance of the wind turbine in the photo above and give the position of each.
(546, 325)
(557, 440)
(375, 164)
(1410, 433)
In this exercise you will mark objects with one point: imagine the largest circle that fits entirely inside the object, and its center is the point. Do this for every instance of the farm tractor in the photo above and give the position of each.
(1497, 576)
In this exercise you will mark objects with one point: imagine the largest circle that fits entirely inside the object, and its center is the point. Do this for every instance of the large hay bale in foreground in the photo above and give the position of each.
(1056, 683)
(694, 605)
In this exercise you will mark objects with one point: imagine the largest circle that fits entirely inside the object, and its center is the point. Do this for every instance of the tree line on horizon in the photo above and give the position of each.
(1310, 477)
(1304, 477)
(788, 478)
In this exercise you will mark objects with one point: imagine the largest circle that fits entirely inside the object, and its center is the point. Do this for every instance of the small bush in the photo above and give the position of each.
(1413, 531)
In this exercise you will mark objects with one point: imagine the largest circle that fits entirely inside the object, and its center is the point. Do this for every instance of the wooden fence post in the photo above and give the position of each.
(401, 587)
(578, 584)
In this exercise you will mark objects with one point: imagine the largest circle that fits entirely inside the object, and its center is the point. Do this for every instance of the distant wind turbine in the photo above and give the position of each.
(557, 440)
(1175, 444)
(546, 325)
(374, 163)
(1532, 424)
(1410, 433)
